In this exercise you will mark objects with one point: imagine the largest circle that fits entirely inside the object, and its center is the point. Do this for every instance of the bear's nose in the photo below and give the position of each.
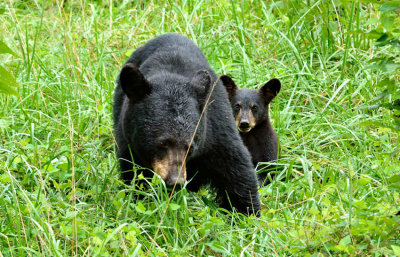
(244, 124)
(174, 179)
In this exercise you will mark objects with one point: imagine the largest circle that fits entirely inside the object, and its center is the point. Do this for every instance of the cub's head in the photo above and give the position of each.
(250, 106)
(160, 117)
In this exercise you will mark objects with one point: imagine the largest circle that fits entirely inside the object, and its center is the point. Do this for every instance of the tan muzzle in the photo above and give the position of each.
(171, 167)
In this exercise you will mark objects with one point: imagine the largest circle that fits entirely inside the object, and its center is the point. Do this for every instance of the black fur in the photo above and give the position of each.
(161, 92)
(261, 139)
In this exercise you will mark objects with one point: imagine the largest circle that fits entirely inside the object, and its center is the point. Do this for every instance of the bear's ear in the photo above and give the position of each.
(201, 83)
(133, 83)
(230, 86)
(270, 89)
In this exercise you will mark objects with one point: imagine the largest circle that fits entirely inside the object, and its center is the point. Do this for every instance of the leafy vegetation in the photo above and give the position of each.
(387, 33)
(7, 80)
(338, 187)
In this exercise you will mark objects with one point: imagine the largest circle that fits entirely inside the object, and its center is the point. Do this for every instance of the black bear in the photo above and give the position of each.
(172, 115)
(251, 113)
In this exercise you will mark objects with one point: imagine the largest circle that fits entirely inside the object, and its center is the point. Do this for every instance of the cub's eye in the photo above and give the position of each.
(254, 108)
(236, 107)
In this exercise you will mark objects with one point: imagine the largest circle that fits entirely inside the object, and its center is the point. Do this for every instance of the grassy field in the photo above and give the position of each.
(338, 187)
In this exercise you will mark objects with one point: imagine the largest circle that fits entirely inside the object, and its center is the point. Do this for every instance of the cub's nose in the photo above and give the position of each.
(174, 179)
(244, 124)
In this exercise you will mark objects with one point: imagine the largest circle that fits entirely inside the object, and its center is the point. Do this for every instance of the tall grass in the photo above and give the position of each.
(337, 188)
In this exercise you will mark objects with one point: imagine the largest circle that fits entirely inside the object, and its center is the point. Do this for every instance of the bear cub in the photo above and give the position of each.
(172, 116)
(251, 112)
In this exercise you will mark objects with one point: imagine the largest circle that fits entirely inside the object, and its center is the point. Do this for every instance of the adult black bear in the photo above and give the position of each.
(158, 103)
(251, 112)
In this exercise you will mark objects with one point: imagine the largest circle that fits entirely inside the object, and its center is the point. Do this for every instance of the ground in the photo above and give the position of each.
(60, 192)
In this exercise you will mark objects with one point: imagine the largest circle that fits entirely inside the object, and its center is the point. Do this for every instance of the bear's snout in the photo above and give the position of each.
(171, 167)
(175, 179)
(244, 124)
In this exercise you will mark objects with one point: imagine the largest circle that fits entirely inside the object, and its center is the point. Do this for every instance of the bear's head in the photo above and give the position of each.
(162, 119)
(250, 106)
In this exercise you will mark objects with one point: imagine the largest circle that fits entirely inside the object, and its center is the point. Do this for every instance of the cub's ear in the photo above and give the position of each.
(201, 82)
(133, 83)
(230, 86)
(270, 89)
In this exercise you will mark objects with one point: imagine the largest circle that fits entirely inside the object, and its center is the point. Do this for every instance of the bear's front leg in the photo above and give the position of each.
(232, 173)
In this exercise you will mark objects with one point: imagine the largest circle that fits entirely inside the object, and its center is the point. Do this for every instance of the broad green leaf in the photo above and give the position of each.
(387, 22)
(4, 123)
(140, 207)
(7, 81)
(373, 34)
(393, 2)
(361, 204)
(217, 246)
(97, 240)
(8, 90)
(174, 206)
(131, 237)
(383, 38)
(388, 7)
(129, 52)
(390, 67)
(394, 178)
(364, 180)
(4, 49)
(313, 210)
(99, 107)
(5, 178)
(396, 250)
(117, 204)
(396, 32)
(345, 240)
(120, 195)
(372, 21)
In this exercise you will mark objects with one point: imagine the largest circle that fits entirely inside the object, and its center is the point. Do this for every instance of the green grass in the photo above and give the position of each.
(60, 193)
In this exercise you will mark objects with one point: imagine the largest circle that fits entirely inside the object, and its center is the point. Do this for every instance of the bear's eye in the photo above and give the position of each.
(190, 150)
(254, 108)
(163, 144)
(166, 142)
(236, 107)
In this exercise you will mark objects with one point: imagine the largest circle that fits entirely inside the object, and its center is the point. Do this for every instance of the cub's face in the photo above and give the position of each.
(250, 106)
(248, 109)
